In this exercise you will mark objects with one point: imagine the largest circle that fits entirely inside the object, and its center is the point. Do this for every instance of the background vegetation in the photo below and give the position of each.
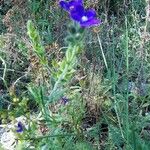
(105, 88)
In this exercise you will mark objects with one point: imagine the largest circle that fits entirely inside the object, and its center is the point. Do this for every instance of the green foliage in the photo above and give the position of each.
(36, 42)
(102, 73)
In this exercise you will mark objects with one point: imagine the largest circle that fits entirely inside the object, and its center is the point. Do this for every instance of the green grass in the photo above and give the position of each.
(105, 77)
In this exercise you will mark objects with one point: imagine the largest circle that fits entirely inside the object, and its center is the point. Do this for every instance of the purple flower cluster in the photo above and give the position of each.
(85, 17)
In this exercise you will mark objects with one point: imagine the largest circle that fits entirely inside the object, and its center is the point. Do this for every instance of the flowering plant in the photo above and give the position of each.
(85, 17)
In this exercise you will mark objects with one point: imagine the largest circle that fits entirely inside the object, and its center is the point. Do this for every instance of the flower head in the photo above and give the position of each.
(86, 18)
(70, 5)
(19, 127)
(64, 100)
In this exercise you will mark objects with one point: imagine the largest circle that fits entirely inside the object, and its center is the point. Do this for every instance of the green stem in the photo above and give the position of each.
(4, 73)
(101, 48)
(127, 71)
(63, 74)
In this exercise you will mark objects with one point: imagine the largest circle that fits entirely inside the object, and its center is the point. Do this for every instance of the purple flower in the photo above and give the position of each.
(70, 5)
(19, 127)
(86, 18)
(64, 100)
